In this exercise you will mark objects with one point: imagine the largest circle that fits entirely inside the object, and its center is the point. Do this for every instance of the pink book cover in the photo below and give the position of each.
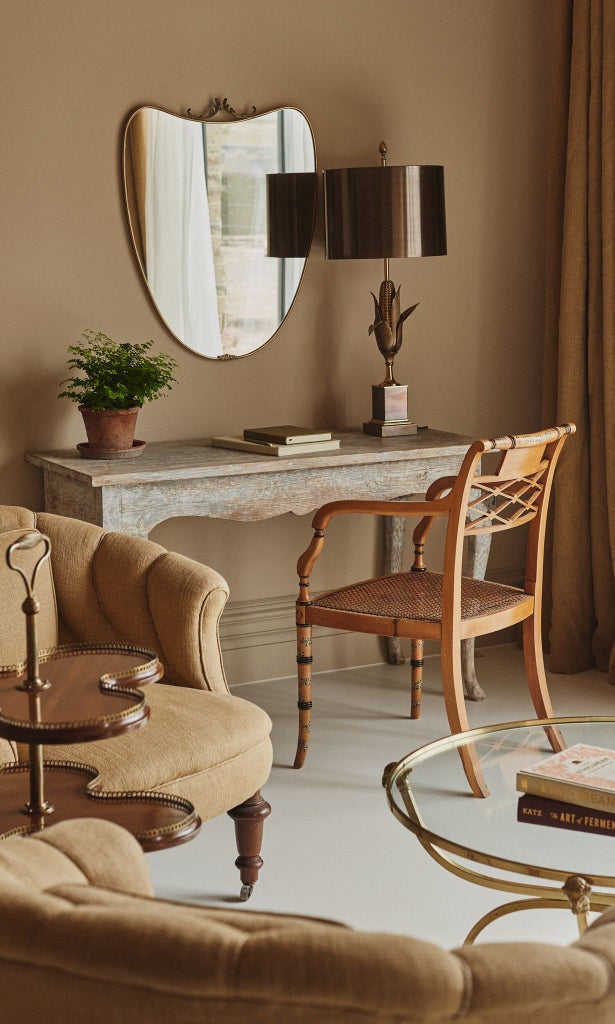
(579, 765)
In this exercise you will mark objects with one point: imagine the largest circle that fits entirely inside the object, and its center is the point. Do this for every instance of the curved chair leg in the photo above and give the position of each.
(537, 679)
(416, 684)
(304, 701)
(452, 685)
(249, 818)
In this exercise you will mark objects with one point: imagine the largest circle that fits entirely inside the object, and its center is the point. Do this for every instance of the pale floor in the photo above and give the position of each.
(331, 846)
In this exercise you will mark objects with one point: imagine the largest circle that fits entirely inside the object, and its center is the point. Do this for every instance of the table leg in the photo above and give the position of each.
(476, 565)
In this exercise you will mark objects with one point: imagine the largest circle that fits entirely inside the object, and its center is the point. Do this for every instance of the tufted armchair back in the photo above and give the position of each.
(104, 586)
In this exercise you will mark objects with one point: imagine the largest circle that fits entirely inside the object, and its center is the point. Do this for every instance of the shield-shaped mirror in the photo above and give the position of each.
(221, 215)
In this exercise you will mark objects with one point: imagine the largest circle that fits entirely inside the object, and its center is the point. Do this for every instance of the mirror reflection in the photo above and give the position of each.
(199, 195)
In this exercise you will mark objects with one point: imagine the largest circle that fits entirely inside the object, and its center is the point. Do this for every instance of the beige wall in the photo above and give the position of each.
(458, 82)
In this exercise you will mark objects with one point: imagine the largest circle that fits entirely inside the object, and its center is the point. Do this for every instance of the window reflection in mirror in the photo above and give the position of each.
(196, 195)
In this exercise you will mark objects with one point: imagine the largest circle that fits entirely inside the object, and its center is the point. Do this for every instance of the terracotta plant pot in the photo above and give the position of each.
(110, 430)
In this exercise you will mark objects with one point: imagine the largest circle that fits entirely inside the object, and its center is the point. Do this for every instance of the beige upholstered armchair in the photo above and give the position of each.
(82, 941)
(201, 742)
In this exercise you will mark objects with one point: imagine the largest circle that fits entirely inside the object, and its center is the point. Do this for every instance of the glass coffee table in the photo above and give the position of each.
(428, 794)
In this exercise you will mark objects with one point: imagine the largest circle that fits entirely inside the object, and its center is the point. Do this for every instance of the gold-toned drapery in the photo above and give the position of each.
(579, 366)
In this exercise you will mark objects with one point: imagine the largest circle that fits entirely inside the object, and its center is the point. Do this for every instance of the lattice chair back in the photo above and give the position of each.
(515, 493)
(519, 488)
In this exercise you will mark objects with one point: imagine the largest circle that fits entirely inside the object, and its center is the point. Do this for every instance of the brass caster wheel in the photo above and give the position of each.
(246, 892)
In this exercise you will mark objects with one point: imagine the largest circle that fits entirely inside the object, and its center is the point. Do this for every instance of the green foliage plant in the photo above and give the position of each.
(117, 375)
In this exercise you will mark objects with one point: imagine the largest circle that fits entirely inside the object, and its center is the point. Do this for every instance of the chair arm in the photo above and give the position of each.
(325, 514)
(434, 493)
(75, 852)
(186, 600)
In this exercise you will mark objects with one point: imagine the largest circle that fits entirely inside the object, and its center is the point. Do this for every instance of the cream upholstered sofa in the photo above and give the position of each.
(82, 941)
(201, 742)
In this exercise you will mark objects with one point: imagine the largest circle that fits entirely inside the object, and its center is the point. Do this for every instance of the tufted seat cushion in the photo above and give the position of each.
(211, 748)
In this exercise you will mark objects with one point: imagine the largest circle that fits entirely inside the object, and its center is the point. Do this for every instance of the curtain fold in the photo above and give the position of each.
(579, 352)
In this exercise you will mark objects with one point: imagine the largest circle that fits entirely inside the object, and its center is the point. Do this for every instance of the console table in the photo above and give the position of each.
(192, 478)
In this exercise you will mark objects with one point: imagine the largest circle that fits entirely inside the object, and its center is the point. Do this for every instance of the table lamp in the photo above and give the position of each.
(381, 213)
(291, 206)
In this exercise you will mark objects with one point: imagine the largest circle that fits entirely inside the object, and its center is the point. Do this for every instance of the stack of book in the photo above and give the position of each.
(285, 440)
(573, 789)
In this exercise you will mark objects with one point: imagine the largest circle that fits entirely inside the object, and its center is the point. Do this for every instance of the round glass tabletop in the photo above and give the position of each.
(429, 794)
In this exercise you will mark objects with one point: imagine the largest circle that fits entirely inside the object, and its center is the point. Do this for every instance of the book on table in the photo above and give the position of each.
(580, 774)
(269, 448)
(539, 810)
(286, 434)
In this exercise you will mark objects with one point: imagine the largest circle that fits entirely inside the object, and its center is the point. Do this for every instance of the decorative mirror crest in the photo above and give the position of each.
(216, 106)
(221, 215)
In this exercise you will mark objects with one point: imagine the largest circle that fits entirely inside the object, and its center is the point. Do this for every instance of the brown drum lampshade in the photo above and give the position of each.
(382, 212)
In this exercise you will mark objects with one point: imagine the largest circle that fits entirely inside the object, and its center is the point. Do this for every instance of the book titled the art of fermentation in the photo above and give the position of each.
(580, 774)
(539, 810)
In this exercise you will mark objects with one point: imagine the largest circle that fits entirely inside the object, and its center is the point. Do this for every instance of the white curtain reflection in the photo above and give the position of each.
(178, 246)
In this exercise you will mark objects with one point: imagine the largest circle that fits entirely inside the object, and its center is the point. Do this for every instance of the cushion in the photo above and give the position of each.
(211, 748)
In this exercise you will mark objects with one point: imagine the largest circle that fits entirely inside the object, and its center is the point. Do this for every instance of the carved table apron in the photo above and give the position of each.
(192, 478)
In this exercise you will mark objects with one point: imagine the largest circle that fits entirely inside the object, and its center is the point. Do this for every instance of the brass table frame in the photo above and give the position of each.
(576, 893)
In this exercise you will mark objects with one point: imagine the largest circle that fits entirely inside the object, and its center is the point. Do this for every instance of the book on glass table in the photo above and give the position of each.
(286, 434)
(580, 774)
(539, 810)
(281, 450)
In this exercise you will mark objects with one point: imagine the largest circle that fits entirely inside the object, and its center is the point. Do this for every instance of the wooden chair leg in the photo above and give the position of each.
(452, 686)
(416, 683)
(537, 679)
(304, 700)
(249, 818)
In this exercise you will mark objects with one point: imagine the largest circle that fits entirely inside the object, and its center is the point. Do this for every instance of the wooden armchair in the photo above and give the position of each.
(424, 605)
(201, 743)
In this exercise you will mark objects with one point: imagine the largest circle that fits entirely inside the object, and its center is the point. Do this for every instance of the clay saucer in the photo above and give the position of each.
(87, 452)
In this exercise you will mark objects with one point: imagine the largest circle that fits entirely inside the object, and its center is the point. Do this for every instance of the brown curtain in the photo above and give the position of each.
(579, 366)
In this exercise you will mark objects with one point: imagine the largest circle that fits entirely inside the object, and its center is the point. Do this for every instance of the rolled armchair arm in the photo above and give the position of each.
(76, 852)
(113, 587)
(187, 600)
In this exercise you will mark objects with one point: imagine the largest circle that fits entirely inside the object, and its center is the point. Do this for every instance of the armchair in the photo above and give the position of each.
(83, 940)
(424, 605)
(201, 742)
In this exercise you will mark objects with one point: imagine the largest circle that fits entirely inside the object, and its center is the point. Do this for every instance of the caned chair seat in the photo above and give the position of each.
(417, 596)
(448, 607)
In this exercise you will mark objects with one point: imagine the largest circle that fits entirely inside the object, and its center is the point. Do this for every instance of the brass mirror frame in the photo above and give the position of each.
(209, 116)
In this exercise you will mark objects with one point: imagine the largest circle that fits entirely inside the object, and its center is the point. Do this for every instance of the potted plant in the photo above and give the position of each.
(117, 379)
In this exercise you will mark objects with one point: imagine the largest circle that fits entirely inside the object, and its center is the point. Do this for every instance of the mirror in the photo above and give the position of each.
(221, 215)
